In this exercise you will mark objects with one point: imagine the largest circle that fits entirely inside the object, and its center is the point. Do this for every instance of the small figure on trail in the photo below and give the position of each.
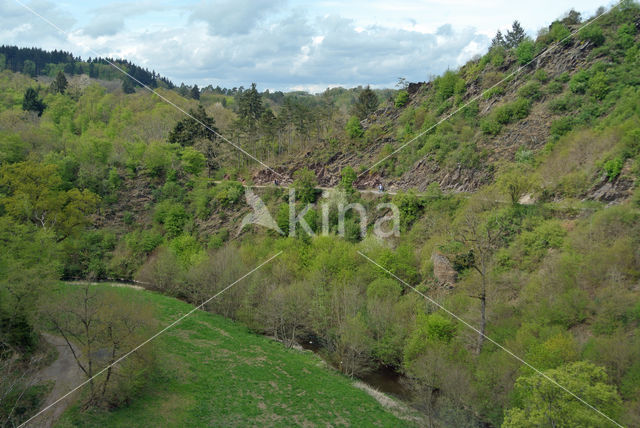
(380, 187)
(275, 182)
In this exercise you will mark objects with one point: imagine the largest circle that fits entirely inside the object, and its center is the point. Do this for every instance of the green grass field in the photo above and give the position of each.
(214, 372)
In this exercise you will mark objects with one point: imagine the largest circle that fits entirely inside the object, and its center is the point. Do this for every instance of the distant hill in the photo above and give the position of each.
(39, 62)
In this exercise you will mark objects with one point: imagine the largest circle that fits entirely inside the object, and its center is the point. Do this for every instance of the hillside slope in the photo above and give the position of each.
(213, 372)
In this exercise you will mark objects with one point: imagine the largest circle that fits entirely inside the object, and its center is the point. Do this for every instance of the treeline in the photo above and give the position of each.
(39, 62)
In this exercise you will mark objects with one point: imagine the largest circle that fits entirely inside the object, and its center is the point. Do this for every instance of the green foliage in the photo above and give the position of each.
(347, 177)
(541, 75)
(579, 82)
(599, 85)
(157, 159)
(193, 161)
(172, 215)
(353, 128)
(530, 90)
(401, 99)
(228, 193)
(449, 84)
(59, 85)
(592, 33)
(513, 111)
(197, 126)
(429, 329)
(560, 33)
(539, 402)
(525, 51)
(613, 167)
(562, 126)
(305, 183)
(493, 92)
(366, 103)
(490, 126)
(384, 288)
(515, 183)
(33, 194)
(410, 207)
(31, 102)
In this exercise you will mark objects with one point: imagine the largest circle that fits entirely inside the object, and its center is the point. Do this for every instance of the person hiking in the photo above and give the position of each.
(380, 187)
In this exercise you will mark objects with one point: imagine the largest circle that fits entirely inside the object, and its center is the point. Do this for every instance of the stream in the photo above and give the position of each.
(384, 378)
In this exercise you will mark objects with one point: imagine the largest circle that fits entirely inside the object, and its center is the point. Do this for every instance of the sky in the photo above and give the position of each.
(280, 44)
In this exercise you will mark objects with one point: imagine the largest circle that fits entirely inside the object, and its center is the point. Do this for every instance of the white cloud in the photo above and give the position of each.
(277, 44)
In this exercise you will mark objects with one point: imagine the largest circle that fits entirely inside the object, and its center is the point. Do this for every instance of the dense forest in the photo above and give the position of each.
(519, 212)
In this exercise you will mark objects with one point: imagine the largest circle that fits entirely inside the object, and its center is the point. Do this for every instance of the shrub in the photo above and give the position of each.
(561, 126)
(613, 167)
(449, 84)
(305, 183)
(193, 161)
(497, 54)
(353, 127)
(579, 81)
(599, 85)
(554, 87)
(541, 76)
(531, 90)
(512, 112)
(228, 193)
(373, 133)
(490, 127)
(560, 33)
(495, 91)
(401, 99)
(593, 34)
(525, 51)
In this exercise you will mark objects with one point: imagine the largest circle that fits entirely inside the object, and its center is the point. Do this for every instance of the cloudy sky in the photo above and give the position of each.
(280, 44)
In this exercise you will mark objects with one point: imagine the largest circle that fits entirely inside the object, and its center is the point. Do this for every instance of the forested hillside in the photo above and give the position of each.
(517, 187)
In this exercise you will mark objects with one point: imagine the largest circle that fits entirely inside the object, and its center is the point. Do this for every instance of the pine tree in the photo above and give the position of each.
(250, 105)
(515, 35)
(195, 92)
(366, 103)
(127, 86)
(498, 40)
(31, 102)
(59, 85)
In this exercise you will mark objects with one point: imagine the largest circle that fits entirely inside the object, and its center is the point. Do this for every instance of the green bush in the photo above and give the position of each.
(579, 82)
(554, 87)
(592, 33)
(401, 99)
(562, 126)
(599, 85)
(541, 76)
(490, 127)
(448, 85)
(228, 193)
(512, 112)
(193, 161)
(613, 167)
(353, 128)
(560, 33)
(531, 90)
(525, 51)
(492, 92)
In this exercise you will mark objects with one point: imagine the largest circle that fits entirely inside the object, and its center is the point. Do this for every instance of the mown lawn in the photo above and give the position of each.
(214, 372)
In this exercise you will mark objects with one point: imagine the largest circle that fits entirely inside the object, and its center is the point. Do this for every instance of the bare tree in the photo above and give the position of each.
(99, 326)
(482, 238)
